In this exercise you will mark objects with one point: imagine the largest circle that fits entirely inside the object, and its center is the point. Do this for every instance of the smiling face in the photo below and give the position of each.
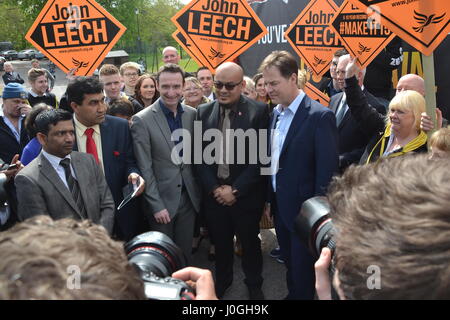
(148, 89)
(130, 77)
(40, 85)
(170, 87)
(192, 93)
(260, 88)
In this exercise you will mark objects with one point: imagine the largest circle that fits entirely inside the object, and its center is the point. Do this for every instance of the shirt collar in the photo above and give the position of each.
(35, 95)
(293, 107)
(167, 111)
(54, 160)
(81, 128)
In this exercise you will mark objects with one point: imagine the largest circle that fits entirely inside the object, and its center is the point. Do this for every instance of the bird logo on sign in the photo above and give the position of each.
(215, 54)
(318, 61)
(363, 49)
(424, 20)
(79, 64)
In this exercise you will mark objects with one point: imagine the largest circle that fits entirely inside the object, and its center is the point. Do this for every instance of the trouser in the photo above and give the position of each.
(181, 227)
(225, 222)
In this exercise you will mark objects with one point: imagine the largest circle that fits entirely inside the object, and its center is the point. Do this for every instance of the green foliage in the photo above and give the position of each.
(152, 21)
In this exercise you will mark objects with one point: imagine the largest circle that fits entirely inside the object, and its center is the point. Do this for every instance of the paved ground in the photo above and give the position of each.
(274, 286)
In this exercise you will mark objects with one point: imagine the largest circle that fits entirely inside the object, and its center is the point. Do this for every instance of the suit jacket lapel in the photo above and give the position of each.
(50, 173)
(241, 113)
(107, 147)
(336, 102)
(296, 123)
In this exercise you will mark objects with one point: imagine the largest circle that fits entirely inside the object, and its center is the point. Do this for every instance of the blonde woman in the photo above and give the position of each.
(193, 93)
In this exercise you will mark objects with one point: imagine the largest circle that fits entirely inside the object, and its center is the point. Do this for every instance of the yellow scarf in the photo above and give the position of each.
(417, 142)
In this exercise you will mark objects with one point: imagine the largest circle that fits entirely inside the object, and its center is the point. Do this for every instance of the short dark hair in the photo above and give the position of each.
(393, 214)
(283, 61)
(339, 53)
(80, 86)
(50, 117)
(203, 68)
(121, 106)
(37, 256)
(171, 68)
(31, 118)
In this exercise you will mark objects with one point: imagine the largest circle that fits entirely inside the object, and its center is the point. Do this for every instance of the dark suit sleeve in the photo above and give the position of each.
(251, 175)
(30, 199)
(132, 166)
(19, 79)
(5, 79)
(106, 199)
(326, 152)
(369, 119)
(206, 173)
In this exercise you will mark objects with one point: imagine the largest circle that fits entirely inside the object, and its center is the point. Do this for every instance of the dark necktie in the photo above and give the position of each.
(223, 171)
(73, 187)
(341, 112)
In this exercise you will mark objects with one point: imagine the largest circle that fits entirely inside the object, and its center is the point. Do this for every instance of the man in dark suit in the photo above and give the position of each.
(62, 183)
(234, 191)
(304, 157)
(352, 139)
(108, 139)
(11, 76)
(172, 196)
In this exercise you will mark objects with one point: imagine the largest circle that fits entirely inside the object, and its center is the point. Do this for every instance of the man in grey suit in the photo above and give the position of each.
(172, 196)
(60, 182)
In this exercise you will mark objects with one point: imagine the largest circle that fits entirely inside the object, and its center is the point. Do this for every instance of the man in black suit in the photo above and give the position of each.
(234, 192)
(352, 140)
(108, 139)
(10, 75)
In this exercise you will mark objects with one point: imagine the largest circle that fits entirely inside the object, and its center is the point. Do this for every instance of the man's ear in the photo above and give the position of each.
(73, 105)
(42, 138)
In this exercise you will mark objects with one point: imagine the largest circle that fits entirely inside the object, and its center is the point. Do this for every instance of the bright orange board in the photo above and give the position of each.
(311, 36)
(424, 24)
(362, 36)
(315, 94)
(218, 30)
(75, 34)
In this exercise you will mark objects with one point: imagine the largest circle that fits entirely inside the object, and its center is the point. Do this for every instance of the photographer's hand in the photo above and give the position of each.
(323, 284)
(199, 279)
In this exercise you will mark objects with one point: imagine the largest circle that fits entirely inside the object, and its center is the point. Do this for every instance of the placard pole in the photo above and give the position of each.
(430, 89)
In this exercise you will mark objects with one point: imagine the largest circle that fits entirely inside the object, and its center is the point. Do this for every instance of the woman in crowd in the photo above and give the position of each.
(261, 92)
(33, 148)
(146, 92)
(193, 93)
(440, 144)
(249, 89)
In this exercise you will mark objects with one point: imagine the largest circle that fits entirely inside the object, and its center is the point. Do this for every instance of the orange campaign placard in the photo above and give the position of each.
(75, 34)
(315, 94)
(424, 24)
(178, 36)
(362, 36)
(311, 36)
(218, 30)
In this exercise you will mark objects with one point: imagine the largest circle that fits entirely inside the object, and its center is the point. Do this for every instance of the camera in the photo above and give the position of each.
(156, 257)
(314, 226)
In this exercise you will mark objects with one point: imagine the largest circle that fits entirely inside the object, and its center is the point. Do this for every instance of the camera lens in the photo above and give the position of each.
(154, 252)
(314, 226)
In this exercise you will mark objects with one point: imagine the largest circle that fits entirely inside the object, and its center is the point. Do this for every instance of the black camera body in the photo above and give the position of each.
(156, 257)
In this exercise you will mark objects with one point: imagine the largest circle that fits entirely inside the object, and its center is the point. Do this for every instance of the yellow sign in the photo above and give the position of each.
(218, 30)
(75, 34)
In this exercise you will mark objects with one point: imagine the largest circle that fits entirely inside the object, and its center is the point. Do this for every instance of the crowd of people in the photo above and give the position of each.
(73, 159)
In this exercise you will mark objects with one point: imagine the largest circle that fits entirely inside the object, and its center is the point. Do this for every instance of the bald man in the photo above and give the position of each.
(411, 82)
(234, 191)
(170, 55)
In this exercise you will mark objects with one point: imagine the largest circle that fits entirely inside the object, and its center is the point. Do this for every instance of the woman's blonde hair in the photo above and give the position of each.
(441, 139)
(194, 80)
(409, 100)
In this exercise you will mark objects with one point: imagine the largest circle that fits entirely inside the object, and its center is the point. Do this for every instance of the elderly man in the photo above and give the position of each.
(234, 192)
(11, 75)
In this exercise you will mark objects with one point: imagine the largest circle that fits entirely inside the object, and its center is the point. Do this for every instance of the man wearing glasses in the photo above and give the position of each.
(130, 74)
(234, 191)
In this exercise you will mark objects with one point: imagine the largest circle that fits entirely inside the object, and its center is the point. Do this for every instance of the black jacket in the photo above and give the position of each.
(12, 77)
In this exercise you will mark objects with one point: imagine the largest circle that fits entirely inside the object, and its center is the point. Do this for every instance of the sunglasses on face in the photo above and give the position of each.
(229, 86)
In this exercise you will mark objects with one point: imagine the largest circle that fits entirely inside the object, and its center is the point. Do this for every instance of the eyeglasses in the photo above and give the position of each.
(130, 74)
(229, 86)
